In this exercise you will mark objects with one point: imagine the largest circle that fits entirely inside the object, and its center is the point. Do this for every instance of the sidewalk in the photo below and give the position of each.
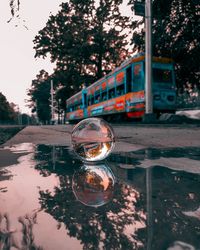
(50, 135)
(128, 137)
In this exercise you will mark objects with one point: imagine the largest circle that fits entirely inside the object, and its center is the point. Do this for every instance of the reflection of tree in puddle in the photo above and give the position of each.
(113, 225)
(147, 211)
(111, 220)
(8, 238)
(6, 234)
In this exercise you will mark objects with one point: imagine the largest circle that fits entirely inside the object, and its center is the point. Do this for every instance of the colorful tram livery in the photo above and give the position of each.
(121, 93)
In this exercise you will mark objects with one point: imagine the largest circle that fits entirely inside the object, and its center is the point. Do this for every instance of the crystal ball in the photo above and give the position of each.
(93, 185)
(92, 139)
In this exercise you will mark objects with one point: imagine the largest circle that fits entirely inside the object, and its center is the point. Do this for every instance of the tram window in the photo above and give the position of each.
(128, 79)
(88, 101)
(84, 104)
(77, 105)
(138, 81)
(111, 93)
(97, 98)
(92, 100)
(104, 96)
(162, 75)
(120, 90)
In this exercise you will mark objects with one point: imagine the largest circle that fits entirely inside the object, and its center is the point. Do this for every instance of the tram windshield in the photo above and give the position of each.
(162, 75)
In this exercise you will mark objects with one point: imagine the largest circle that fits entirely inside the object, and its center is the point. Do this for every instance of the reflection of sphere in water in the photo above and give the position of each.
(93, 185)
(93, 139)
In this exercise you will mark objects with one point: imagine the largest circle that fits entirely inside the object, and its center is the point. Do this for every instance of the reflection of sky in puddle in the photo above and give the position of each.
(151, 207)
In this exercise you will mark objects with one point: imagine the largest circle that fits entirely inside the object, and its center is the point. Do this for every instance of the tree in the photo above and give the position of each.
(7, 113)
(40, 96)
(14, 6)
(84, 40)
(175, 34)
(108, 41)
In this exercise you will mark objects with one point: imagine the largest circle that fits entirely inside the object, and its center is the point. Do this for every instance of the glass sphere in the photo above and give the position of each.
(93, 185)
(93, 139)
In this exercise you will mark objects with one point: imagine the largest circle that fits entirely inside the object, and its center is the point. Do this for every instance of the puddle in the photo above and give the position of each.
(147, 199)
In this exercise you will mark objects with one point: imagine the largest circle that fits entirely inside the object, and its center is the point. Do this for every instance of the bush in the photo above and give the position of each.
(6, 132)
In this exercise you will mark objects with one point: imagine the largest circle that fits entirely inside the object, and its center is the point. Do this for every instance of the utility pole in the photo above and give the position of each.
(144, 9)
(148, 58)
(52, 103)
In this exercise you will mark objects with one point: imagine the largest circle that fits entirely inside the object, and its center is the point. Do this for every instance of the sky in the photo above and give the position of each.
(18, 67)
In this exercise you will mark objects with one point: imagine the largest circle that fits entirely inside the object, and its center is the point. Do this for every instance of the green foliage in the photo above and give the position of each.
(40, 96)
(84, 40)
(108, 42)
(176, 34)
(8, 132)
(7, 113)
(14, 6)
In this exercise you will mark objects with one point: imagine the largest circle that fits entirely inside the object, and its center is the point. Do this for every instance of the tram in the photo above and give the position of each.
(121, 93)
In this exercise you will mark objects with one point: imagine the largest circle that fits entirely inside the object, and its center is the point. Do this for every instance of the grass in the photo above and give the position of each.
(6, 132)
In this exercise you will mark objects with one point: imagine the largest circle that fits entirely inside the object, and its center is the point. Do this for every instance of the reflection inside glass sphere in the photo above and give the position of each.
(93, 185)
(93, 139)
